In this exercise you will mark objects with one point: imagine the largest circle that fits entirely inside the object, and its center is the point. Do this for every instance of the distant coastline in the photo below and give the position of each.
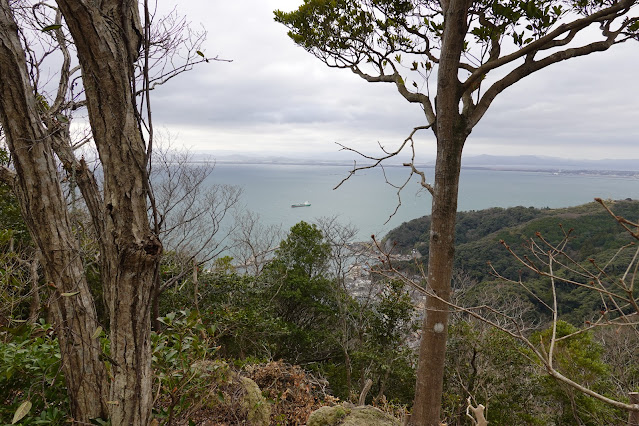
(622, 168)
(578, 172)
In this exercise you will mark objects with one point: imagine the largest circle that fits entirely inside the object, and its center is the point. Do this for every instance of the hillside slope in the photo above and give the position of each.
(593, 234)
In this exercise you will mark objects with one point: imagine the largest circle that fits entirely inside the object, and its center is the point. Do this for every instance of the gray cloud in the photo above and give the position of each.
(278, 97)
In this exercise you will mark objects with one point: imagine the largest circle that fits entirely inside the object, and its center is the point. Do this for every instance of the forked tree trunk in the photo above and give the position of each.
(44, 211)
(107, 36)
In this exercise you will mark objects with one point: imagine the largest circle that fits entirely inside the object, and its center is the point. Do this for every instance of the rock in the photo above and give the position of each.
(258, 408)
(342, 415)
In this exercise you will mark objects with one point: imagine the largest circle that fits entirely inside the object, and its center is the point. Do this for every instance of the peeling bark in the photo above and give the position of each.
(108, 36)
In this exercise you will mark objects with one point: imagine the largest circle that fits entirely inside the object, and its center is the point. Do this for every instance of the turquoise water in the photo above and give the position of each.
(367, 202)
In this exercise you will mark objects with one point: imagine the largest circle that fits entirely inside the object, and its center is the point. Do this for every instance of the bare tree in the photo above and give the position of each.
(253, 242)
(346, 255)
(460, 44)
(191, 212)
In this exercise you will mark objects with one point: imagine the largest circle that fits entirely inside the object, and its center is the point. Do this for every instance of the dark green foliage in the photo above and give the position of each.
(592, 234)
(288, 312)
(246, 324)
(30, 370)
(303, 253)
(11, 223)
(16, 254)
(579, 357)
(493, 368)
(499, 372)
(295, 312)
(377, 347)
(185, 365)
(302, 296)
(383, 353)
(471, 226)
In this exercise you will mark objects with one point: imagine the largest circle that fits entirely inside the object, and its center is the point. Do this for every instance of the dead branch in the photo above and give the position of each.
(477, 417)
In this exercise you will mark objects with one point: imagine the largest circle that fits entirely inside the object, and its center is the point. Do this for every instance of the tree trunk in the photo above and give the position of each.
(432, 350)
(451, 132)
(108, 35)
(44, 211)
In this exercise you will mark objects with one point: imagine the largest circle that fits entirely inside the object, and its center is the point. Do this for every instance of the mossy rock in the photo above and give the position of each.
(257, 407)
(341, 415)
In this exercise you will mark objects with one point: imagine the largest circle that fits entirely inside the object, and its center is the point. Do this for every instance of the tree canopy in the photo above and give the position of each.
(402, 41)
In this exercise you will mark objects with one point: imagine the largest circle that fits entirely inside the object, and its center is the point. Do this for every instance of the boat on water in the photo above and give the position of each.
(304, 204)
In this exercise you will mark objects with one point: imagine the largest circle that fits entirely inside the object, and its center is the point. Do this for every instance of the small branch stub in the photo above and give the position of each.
(633, 416)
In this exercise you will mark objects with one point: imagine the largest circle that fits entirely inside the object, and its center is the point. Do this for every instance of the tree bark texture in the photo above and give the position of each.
(108, 36)
(451, 132)
(44, 211)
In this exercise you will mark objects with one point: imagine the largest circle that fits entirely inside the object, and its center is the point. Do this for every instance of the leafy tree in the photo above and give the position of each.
(460, 43)
(304, 251)
(246, 326)
(383, 354)
(493, 369)
(302, 296)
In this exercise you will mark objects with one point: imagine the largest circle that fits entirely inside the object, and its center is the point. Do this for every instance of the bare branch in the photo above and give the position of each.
(622, 221)
(530, 66)
(551, 40)
(377, 160)
(412, 97)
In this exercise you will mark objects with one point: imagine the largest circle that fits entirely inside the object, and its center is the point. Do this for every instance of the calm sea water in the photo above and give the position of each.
(367, 201)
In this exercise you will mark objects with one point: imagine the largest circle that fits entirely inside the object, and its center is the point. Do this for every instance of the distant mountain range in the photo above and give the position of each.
(549, 163)
(494, 162)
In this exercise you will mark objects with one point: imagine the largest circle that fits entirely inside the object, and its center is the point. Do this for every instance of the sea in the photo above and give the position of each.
(372, 202)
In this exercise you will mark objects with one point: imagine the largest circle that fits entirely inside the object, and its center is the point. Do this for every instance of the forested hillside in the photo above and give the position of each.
(589, 232)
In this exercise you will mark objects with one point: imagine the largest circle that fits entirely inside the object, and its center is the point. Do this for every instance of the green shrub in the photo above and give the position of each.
(30, 371)
(183, 363)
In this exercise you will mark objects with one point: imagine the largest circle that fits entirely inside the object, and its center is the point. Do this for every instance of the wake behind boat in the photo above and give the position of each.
(304, 204)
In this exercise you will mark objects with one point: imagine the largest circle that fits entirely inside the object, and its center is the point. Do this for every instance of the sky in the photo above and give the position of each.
(274, 98)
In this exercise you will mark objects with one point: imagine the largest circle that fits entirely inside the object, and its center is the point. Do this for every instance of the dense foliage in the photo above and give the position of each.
(496, 370)
(30, 372)
(592, 235)
(219, 324)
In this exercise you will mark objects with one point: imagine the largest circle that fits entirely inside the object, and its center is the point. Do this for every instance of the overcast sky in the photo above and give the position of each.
(276, 98)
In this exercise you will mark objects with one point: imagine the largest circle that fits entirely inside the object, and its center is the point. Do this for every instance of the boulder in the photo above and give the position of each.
(349, 415)
(258, 409)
